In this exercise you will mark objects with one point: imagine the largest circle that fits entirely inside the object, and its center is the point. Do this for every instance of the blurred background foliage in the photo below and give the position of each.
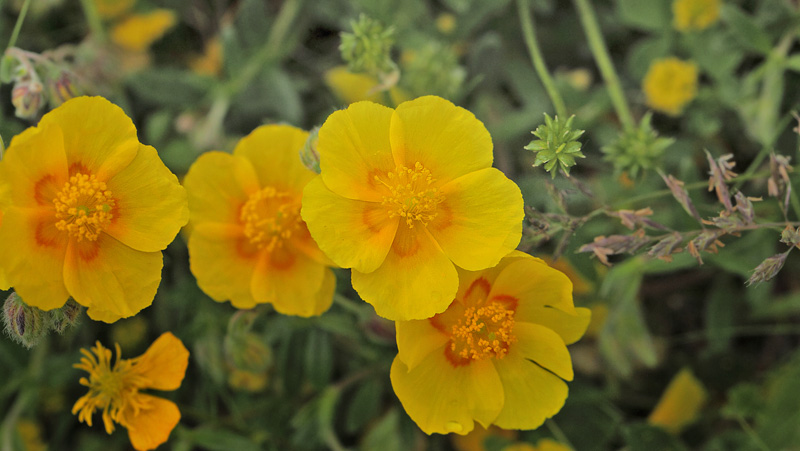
(261, 381)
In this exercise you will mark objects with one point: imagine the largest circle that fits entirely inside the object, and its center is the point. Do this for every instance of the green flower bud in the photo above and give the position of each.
(308, 154)
(637, 148)
(27, 97)
(25, 324)
(248, 352)
(557, 146)
(368, 48)
(65, 317)
(61, 88)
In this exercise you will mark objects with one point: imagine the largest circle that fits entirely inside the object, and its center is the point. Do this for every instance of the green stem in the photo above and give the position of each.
(18, 26)
(267, 53)
(558, 433)
(601, 56)
(526, 18)
(762, 154)
(93, 19)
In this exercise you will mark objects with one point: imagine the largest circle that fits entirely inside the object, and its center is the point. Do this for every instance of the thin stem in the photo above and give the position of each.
(18, 26)
(752, 434)
(526, 18)
(558, 433)
(93, 19)
(762, 154)
(601, 56)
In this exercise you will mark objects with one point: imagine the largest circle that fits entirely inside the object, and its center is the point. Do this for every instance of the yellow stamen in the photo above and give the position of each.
(270, 217)
(483, 332)
(83, 207)
(413, 195)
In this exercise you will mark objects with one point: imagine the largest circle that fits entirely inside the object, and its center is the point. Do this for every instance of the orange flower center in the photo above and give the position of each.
(270, 217)
(83, 207)
(412, 194)
(483, 332)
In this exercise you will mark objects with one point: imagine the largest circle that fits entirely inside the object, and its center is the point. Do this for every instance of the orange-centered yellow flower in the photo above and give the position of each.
(87, 213)
(248, 242)
(115, 390)
(407, 195)
(497, 355)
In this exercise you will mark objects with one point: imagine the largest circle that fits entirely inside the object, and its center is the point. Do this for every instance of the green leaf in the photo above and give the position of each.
(364, 405)
(645, 15)
(319, 358)
(384, 435)
(746, 31)
(721, 314)
(777, 426)
(745, 400)
(644, 437)
(218, 439)
(166, 87)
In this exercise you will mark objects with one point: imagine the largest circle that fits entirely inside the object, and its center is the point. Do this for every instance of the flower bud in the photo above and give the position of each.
(25, 324)
(248, 352)
(27, 98)
(368, 48)
(61, 89)
(308, 154)
(65, 317)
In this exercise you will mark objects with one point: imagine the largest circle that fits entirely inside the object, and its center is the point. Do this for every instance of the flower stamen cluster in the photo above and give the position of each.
(483, 332)
(83, 207)
(413, 194)
(270, 217)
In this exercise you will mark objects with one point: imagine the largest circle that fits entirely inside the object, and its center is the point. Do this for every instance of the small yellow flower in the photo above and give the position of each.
(110, 9)
(407, 195)
(680, 403)
(31, 435)
(695, 14)
(351, 88)
(248, 243)
(210, 62)
(670, 84)
(138, 31)
(115, 390)
(498, 355)
(446, 23)
(88, 211)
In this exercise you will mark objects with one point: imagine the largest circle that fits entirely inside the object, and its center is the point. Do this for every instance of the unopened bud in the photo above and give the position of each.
(768, 269)
(27, 98)
(25, 324)
(65, 317)
(308, 154)
(248, 352)
(61, 89)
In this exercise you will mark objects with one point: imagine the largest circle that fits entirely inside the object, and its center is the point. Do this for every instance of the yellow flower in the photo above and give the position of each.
(475, 440)
(248, 243)
(110, 9)
(115, 390)
(670, 84)
(351, 88)
(210, 62)
(542, 445)
(138, 31)
(31, 436)
(88, 212)
(680, 403)
(407, 195)
(497, 355)
(695, 14)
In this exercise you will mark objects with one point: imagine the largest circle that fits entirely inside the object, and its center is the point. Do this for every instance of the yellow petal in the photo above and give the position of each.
(416, 281)
(442, 398)
(32, 254)
(353, 148)
(569, 326)
(489, 275)
(34, 167)
(273, 150)
(112, 280)
(217, 185)
(535, 284)
(289, 280)
(544, 347)
(151, 205)
(532, 394)
(98, 137)
(149, 428)
(350, 87)
(416, 339)
(164, 363)
(474, 223)
(322, 300)
(353, 233)
(138, 32)
(448, 140)
(223, 262)
(680, 403)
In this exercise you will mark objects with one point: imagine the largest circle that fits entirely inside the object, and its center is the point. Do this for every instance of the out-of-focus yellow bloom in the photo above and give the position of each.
(498, 355)
(115, 390)
(252, 381)
(88, 211)
(476, 439)
(210, 62)
(544, 444)
(695, 14)
(31, 435)
(129, 332)
(110, 9)
(680, 403)
(599, 316)
(404, 197)
(137, 32)
(670, 84)
(580, 79)
(351, 88)
(446, 23)
(249, 244)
